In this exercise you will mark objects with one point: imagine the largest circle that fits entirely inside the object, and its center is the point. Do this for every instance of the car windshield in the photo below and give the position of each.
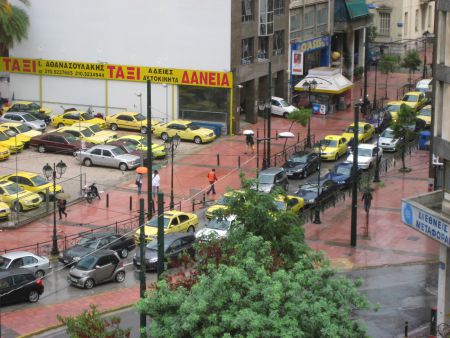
(281, 205)
(388, 133)
(192, 126)
(70, 137)
(329, 143)
(4, 262)
(118, 151)
(410, 98)
(425, 112)
(309, 188)
(266, 179)
(86, 116)
(352, 130)
(153, 245)
(38, 180)
(12, 189)
(139, 117)
(283, 103)
(393, 108)
(218, 224)
(299, 159)
(343, 170)
(29, 117)
(10, 133)
(130, 147)
(34, 106)
(92, 244)
(95, 128)
(154, 222)
(86, 263)
(3, 137)
(23, 128)
(86, 132)
(365, 152)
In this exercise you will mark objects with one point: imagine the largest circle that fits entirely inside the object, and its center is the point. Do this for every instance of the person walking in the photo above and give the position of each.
(212, 178)
(62, 203)
(156, 182)
(250, 142)
(367, 198)
(139, 182)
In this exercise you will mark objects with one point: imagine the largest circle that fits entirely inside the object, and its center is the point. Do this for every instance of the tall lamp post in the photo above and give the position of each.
(376, 176)
(56, 172)
(426, 34)
(264, 106)
(317, 209)
(375, 88)
(170, 146)
(309, 86)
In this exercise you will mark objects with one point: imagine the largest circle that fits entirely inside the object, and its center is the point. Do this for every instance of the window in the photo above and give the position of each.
(102, 261)
(430, 12)
(296, 23)
(4, 283)
(247, 10)
(309, 21)
(247, 51)
(263, 48)
(28, 260)
(96, 152)
(174, 221)
(405, 23)
(278, 7)
(416, 21)
(385, 23)
(183, 218)
(107, 153)
(278, 43)
(322, 17)
(265, 17)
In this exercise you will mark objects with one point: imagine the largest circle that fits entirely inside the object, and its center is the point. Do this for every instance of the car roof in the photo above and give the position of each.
(277, 98)
(366, 145)
(413, 93)
(424, 82)
(22, 102)
(428, 106)
(333, 137)
(134, 137)
(17, 254)
(394, 103)
(5, 182)
(24, 174)
(101, 252)
(14, 271)
(181, 121)
(343, 164)
(58, 133)
(17, 113)
(104, 146)
(14, 124)
(127, 113)
(176, 235)
(300, 153)
(272, 170)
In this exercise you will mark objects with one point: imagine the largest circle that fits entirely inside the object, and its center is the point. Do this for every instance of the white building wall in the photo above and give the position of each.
(184, 34)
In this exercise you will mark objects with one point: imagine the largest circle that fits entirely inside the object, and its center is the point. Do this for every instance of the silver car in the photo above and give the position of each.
(24, 118)
(22, 259)
(108, 156)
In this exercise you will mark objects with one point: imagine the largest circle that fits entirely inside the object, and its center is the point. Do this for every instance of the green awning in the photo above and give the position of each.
(356, 8)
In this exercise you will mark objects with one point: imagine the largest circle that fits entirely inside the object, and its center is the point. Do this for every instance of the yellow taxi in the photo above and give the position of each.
(365, 132)
(186, 130)
(97, 130)
(415, 100)
(425, 115)
(34, 183)
(174, 221)
(140, 142)
(71, 117)
(26, 106)
(11, 143)
(17, 198)
(333, 147)
(4, 153)
(129, 120)
(5, 211)
(23, 132)
(289, 203)
(393, 107)
(85, 134)
(221, 203)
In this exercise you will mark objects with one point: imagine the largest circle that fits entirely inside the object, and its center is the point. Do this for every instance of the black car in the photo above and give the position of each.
(41, 116)
(301, 164)
(175, 244)
(341, 173)
(310, 191)
(380, 119)
(94, 241)
(19, 285)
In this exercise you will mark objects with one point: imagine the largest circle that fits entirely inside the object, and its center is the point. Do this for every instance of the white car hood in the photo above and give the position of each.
(388, 140)
(361, 159)
(205, 232)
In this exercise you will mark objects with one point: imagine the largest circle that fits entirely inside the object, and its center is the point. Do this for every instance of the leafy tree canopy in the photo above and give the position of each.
(14, 23)
(411, 60)
(388, 63)
(300, 116)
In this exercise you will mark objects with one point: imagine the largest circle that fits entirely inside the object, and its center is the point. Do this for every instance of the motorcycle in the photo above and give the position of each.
(90, 192)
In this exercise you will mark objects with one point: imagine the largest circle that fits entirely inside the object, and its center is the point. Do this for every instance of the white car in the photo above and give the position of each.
(280, 107)
(367, 154)
(38, 265)
(216, 227)
(387, 140)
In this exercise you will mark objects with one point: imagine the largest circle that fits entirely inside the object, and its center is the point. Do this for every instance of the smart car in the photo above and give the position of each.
(71, 117)
(34, 183)
(129, 120)
(186, 130)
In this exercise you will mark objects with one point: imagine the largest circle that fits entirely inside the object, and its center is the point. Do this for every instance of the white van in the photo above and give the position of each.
(425, 86)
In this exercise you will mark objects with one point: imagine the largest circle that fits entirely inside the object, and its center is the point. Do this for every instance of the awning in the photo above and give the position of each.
(356, 8)
(329, 80)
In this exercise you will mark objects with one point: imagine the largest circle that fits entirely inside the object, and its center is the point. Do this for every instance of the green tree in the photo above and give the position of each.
(302, 116)
(388, 64)
(372, 33)
(412, 62)
(14, 24)
(91, 324)
(404, 129)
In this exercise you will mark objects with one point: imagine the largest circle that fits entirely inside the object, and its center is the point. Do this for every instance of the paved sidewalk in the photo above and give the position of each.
(389, 242)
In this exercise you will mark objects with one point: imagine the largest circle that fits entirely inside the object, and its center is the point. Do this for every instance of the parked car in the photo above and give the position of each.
(91, 242)
(367, 155)
(140, 142)
(365, 132)
(216, 227)
(380, 119)
(130, 148)
(5, 211)
(34, 183)
(222, 203)
(313, 193)
(388, 142)
(96, 129)
(270, 178)
(280, 107)
(17, 198)
(42, 116)
(98, 267)
(333, 147)
(38, 265)
(174, 221)
(425, 115)
(4, 153)
(108, 156)
(289, 203)
(22, 132)
(13, 145)
(186, 130)
(27, 107)
(19, 285)
(71, 117)
(61, 143)
(175, 245)
(393, 108)
(301, 164)
(24, 118)
(86, 134)
(341, 173)
(415, 100)
(129, 120)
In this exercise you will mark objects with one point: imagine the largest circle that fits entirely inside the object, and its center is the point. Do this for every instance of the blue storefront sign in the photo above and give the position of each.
(427, 223)
(307, 46)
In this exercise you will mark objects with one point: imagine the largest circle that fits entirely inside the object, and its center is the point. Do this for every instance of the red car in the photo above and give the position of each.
(63, 143)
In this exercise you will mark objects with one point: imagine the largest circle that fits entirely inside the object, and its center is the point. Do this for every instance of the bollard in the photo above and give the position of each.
(107, 200)
(433, 321)
(406, 329)
(117, 228)
(218, 160)
(193, 205)
(239, 161)
(204, 199)
(131, 203)
(298, 137)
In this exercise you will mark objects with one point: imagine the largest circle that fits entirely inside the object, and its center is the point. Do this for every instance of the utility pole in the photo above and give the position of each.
(142, 283)
(354, 219)
(366, 57)
(269, 111)
(160, 238)
(149, 150)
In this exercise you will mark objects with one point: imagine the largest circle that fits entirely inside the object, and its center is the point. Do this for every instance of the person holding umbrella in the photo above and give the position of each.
(140, 171)
(249, 141)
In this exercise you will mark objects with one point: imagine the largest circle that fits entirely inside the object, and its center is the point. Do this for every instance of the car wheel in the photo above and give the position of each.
(197, 140)
(123, 253)
(336, 157)
(143, 130)
(33, 296)
(164, 136)
(17, 207)
(39, 274)
(285, 115)
(87, 162)
(114, 127)
(123, 167)
(89, 284)
(191, 229)
(60, 125)
(41, 149)
(120, 277)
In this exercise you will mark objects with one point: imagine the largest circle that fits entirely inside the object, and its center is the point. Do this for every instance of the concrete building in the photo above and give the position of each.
(205, 58)
(430, 213)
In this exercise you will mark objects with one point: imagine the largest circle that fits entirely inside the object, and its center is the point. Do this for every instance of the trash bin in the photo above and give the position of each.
(424, 140)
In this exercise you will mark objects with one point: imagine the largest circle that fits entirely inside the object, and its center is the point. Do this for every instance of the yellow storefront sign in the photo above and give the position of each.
(117, 72)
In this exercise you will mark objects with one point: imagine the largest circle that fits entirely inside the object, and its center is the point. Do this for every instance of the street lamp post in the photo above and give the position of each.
(375, 88)
(376, 176)
(56, 172)
(170, 146)
(424, 72)
(309, 86)
(317, 209)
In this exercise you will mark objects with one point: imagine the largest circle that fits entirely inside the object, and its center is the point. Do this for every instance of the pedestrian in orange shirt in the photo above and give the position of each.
(212, 178)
